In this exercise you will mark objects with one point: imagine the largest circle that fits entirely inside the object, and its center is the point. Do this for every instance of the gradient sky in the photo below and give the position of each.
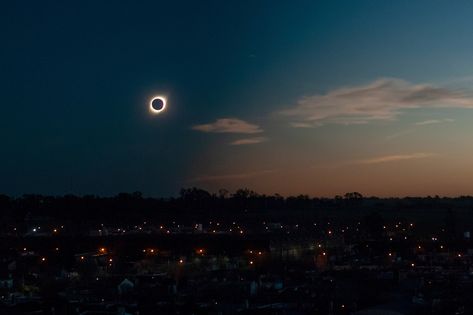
(286, 97)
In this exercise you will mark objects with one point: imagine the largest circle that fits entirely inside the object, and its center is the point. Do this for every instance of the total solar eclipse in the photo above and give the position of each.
(157, 104)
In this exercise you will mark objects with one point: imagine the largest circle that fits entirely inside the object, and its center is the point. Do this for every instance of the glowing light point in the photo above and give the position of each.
(157, 104)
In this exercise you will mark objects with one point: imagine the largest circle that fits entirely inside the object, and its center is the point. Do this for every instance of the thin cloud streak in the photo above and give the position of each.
(395, 158)
(433, 121)
(305, 125)
(381, 100)
(229, 125)
(419, 124)
(211, 178)
(400, 134)
(249, 141)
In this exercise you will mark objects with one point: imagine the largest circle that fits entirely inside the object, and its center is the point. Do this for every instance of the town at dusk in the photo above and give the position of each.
(236, 157)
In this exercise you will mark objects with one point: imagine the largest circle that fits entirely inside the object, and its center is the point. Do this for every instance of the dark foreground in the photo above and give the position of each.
(353, 257)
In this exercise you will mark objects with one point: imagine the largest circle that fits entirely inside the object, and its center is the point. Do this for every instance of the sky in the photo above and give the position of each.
(288, 97)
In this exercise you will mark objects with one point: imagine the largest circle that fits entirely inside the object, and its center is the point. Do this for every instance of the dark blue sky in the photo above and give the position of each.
(75, 79)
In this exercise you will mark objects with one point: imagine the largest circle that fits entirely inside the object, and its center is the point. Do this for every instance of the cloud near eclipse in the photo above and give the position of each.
(229, 125)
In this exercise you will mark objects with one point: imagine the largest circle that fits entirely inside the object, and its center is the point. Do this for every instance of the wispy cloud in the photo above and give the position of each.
(433, 121)
(229, 125)
(383, 99)
(211, 178)
(395, 158)
(305, 125)
(417, 125)
(254, 140)
(400, 134)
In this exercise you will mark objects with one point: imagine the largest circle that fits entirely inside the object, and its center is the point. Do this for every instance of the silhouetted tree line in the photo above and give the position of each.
(194, 202)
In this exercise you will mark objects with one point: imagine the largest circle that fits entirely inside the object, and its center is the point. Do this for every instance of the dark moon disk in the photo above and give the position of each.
(157, 104)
